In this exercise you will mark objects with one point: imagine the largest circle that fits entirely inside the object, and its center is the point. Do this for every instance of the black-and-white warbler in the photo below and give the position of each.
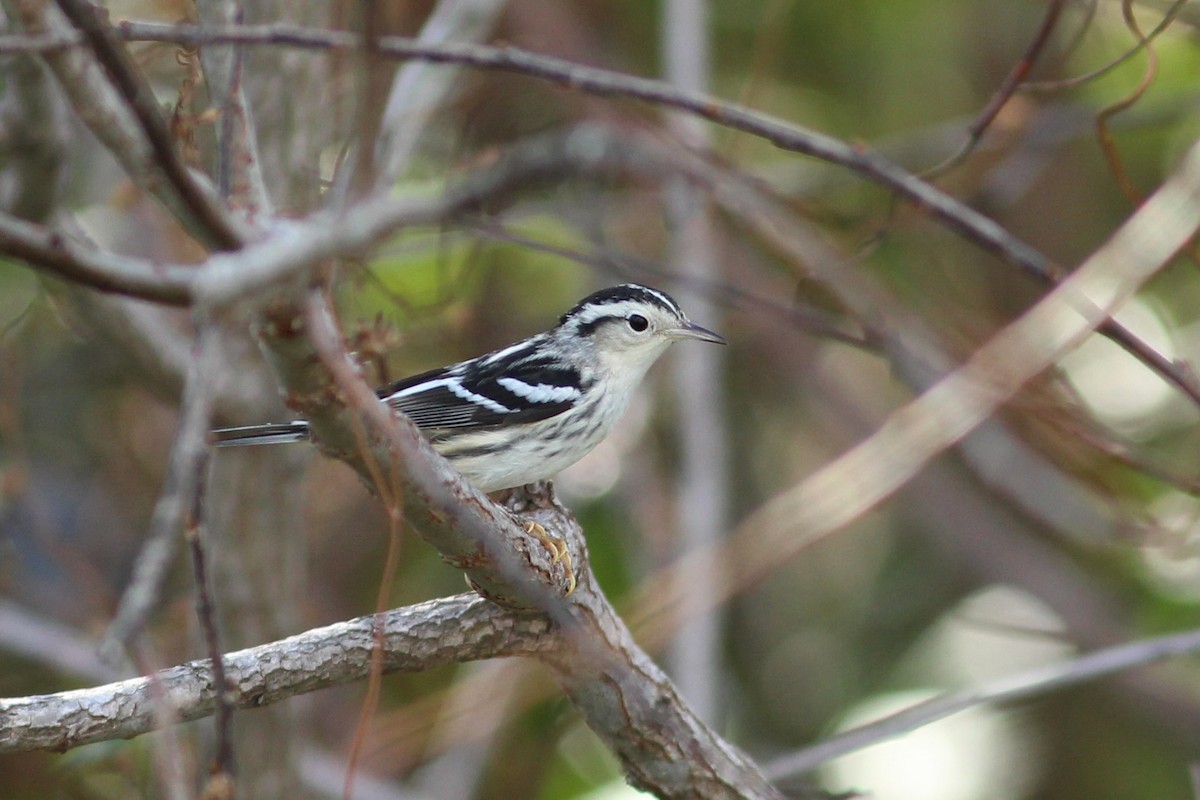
(527, 411)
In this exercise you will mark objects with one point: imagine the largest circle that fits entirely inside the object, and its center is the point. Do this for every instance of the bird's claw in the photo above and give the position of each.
(559, 553)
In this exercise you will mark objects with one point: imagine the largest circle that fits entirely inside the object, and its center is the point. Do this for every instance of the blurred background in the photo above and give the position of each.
(1067, 523)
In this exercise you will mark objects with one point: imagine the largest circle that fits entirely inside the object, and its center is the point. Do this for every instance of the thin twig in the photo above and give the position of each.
(789, 136)
(1012, 81)
(194, 534)
(1070, 83)
(239, 166)
(1032, 683)
(391, 494)
(785, 135)
(132, 86)
(100, 106)
(180, 486)
(872, 471)
(1108, 145)
(60, 255)
(624, 266)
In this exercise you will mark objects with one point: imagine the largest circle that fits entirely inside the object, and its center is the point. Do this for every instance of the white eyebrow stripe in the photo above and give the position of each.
(455, 387)
(541, 393)
(616, 310)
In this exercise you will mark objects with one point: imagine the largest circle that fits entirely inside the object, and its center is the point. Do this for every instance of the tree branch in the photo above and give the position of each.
(181, 485)
(415, 638)
(57, 254)
(1030, 683)
(417, 92)
(239, 168)
(621, 694)
(106, 112)
(786, 135)
(869, 473)
(214, 224)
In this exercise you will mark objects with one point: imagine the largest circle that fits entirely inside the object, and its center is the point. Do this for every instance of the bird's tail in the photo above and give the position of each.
(274, 433)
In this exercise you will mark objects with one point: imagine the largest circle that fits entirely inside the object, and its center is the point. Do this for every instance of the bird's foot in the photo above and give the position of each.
(558, 551)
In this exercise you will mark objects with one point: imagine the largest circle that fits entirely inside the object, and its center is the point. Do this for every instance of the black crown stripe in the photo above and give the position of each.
(620, 294)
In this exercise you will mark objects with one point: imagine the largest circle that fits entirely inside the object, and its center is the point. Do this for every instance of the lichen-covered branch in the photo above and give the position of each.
(420, 637)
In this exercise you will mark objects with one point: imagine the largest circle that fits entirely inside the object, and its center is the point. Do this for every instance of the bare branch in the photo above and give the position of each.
(195, 534)
(239, 168)
(294, 247)
(215, 225)
(785, 135)
(189, 457)
(867, 163)
(1171, 12)
(120, 127)
(789, 136)
(418, 91)
(631, 704)
(1012, 81)
(420, 637)
(1032, 683)
(103, 110)
(849, 486)
(959, 402)
(60, 255)
(622, 695)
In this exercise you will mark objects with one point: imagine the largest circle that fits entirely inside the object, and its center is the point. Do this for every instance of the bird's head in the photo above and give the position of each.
(629, 326)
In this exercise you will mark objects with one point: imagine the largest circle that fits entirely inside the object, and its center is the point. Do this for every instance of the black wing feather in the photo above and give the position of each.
(438, 407)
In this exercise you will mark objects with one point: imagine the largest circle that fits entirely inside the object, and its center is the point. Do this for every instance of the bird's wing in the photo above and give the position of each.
(485, 392)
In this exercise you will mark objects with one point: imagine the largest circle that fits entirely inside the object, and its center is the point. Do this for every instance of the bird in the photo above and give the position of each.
(525, 412)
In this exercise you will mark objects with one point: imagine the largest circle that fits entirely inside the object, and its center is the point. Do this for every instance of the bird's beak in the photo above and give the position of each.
(691, 330)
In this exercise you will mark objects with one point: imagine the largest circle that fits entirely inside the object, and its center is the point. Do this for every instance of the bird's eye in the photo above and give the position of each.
(638, 322)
